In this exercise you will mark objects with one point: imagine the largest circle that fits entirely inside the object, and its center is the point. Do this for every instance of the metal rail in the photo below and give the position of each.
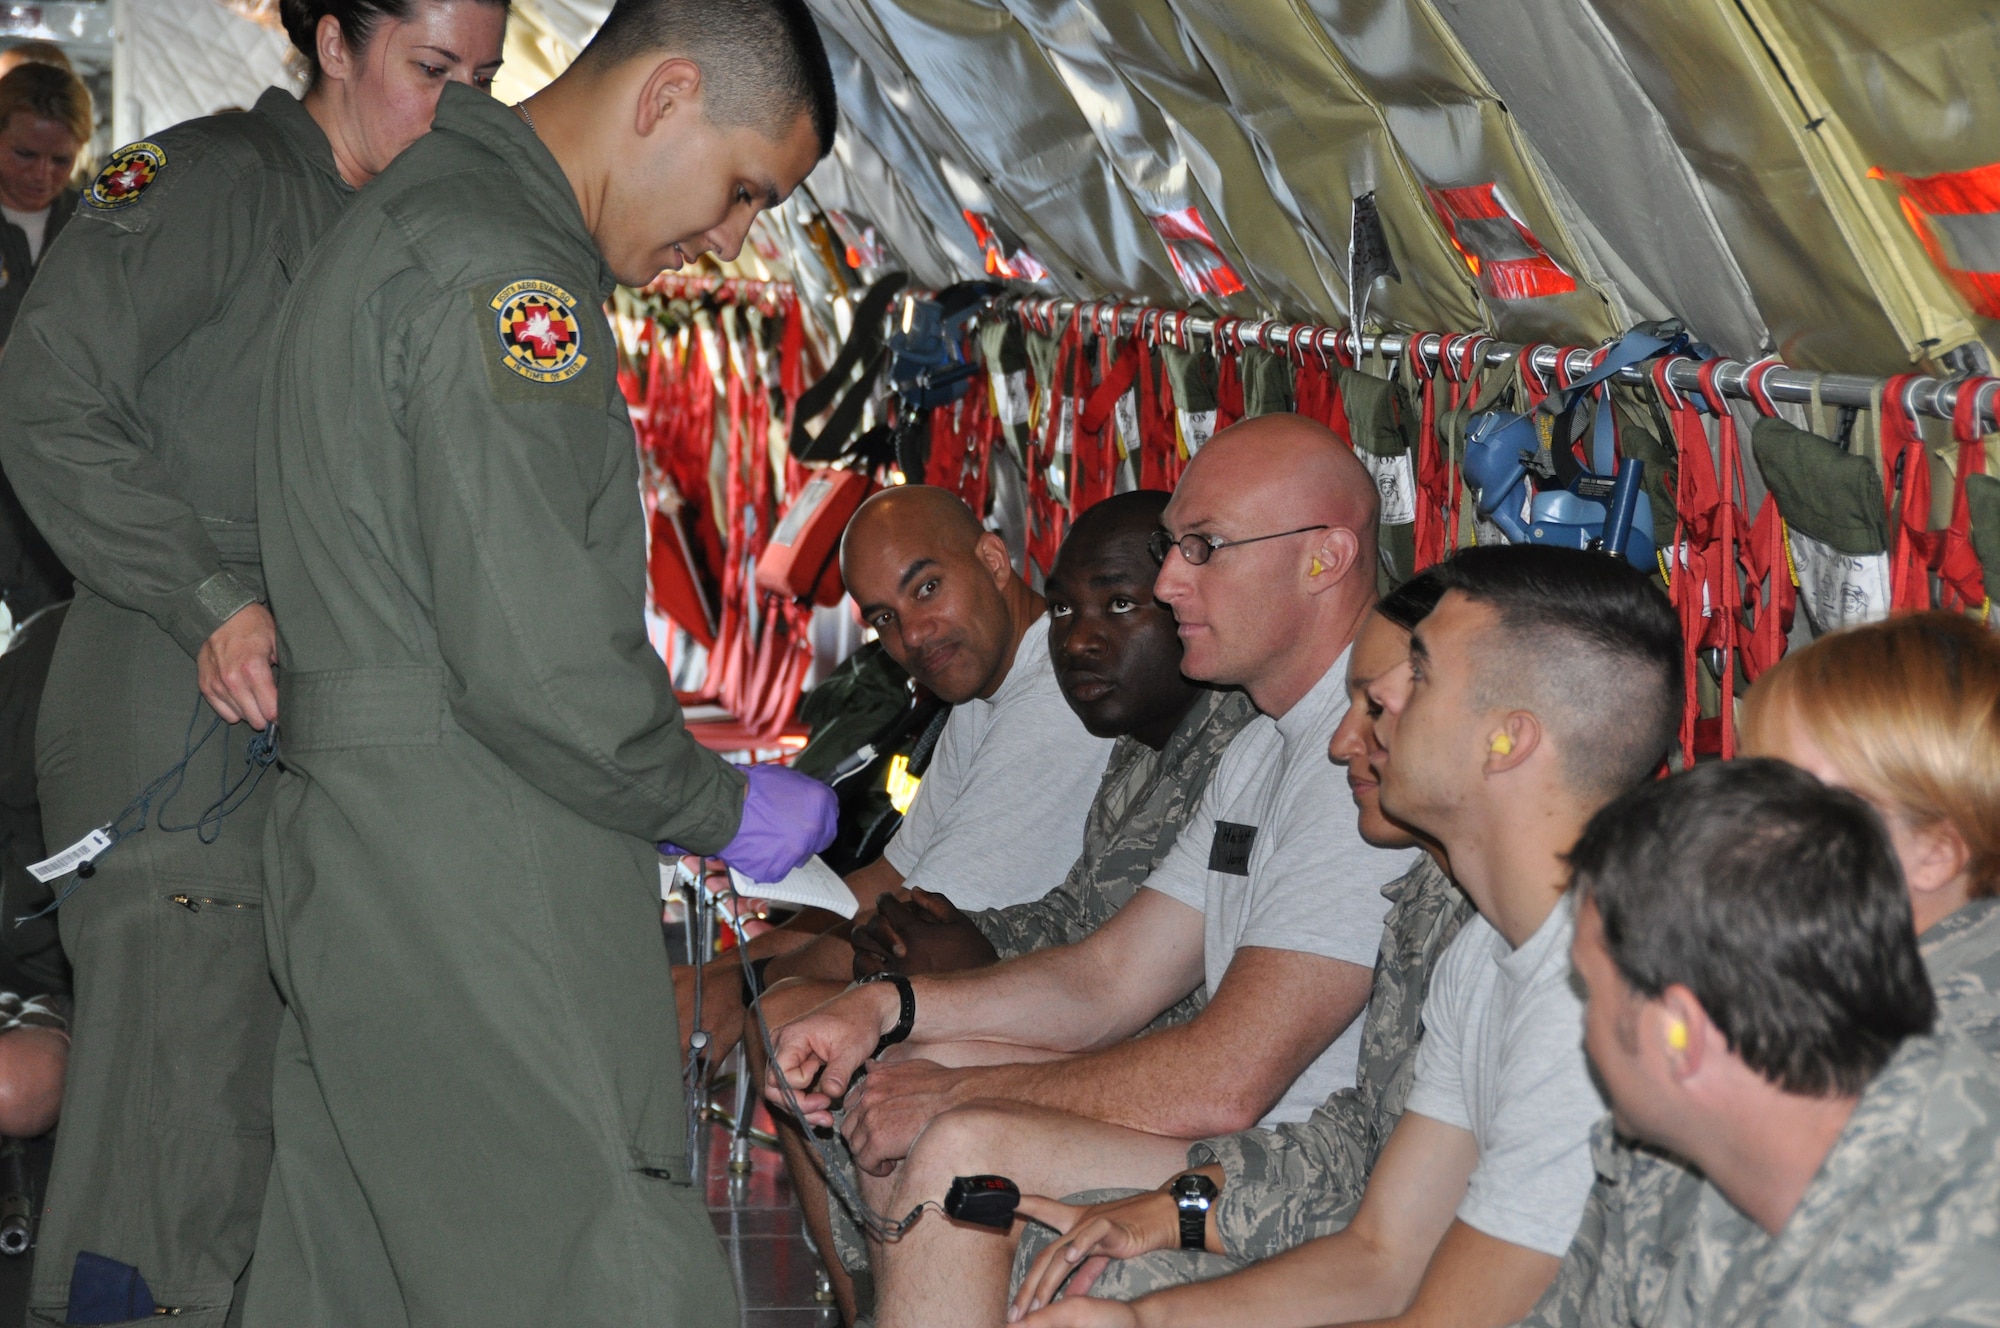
(1925, 395)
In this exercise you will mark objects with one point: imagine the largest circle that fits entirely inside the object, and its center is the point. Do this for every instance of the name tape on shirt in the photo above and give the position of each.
(127, 175)
(541, 338)
(1230, 851)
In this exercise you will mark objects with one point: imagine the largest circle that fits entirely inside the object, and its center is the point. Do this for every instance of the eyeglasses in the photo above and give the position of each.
(1198, 549)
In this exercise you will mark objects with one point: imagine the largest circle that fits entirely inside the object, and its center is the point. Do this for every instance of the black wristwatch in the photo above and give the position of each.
(906, 1019)
(1193, 1194)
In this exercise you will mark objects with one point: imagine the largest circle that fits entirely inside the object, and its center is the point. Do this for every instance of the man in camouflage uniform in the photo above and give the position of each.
(1645, 1203)
(1895, 1224)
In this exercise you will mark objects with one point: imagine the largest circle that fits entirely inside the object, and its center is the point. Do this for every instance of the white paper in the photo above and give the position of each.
(1197, 427)
(1840, 589)
(1010, 397)
(1127, 415)
(70, 858)
(1396, 482)
(814, 885)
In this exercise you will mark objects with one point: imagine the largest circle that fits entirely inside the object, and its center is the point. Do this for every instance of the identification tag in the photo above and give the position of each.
(82, 851)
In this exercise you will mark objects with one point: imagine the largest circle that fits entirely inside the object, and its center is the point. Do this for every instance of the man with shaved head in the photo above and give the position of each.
(999, 815)
(1270, 904)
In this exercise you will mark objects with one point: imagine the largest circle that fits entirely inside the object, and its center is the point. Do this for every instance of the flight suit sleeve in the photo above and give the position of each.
(528, 504)
(116, 293)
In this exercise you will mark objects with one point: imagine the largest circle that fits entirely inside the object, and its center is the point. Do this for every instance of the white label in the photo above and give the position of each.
(1010, 397)
(1840, 589)
(809, 501)
(1127, 415)
(1197, 427)
(1396, 481)
(82, 851)
(1066, 428)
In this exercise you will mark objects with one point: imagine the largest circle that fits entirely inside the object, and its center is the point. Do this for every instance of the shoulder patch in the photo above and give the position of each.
(540, 336)
(131, 170)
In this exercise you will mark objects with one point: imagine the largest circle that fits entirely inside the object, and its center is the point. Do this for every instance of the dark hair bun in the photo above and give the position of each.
(357, 19)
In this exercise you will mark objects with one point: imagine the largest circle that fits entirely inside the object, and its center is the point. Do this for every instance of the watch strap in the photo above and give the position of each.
(1194, 1194)
(906, 1017)
(1194, 1225)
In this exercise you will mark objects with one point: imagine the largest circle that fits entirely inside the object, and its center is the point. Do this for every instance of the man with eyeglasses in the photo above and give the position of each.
(1270, 900)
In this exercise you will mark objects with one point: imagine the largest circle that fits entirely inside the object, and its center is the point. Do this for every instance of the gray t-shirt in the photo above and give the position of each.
(998, 818)
(1502, 1057)
(1273, 857)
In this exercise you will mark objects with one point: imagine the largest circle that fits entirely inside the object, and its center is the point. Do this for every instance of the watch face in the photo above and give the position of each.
(1193, 1188)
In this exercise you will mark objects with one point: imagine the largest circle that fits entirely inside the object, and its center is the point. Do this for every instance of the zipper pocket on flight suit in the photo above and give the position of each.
(196, 903)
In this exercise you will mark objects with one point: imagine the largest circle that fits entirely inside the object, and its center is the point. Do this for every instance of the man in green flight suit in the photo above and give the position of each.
(478, 1104)
(130, 388)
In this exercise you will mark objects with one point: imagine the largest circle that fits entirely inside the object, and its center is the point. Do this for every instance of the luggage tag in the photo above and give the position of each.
(73, 858)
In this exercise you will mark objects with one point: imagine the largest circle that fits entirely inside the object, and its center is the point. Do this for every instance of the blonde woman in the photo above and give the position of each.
(45, 124)
(1906, 713)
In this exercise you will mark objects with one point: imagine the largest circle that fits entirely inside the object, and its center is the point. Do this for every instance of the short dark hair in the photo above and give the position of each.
(1778, 902)
(1589, 645)
(357, 19)
(1412, 602)
(762, 61)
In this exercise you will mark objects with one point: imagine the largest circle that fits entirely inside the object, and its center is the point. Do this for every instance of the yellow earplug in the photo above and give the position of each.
(1677, 1035)
(1502, 745)
(1316, 568)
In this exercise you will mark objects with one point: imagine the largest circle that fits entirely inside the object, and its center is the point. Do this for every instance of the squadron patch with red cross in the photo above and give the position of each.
(540, 338)
(131, 169)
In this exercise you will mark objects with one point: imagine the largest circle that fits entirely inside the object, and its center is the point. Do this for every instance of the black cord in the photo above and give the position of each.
(259, 755)
(878, 1225)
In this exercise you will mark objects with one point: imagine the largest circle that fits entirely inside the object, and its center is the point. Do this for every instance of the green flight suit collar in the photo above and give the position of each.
(500, 128)
(299, 130)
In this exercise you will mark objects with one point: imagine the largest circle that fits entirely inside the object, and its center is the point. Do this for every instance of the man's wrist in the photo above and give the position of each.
(905, 1019)
(886, 1002)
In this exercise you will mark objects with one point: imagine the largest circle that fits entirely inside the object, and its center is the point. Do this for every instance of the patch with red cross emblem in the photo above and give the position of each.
(540, 338)
(131, 169)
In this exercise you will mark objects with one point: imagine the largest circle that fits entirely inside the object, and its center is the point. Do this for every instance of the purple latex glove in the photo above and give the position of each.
(787, 817)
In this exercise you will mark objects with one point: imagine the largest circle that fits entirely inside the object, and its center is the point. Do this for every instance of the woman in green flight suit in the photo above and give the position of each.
(130, 387)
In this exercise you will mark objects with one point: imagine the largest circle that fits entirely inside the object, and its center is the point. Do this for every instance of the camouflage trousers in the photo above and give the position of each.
(1125, 1279)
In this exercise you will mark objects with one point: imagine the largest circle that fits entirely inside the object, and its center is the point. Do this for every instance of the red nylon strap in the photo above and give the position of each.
(1906, 498)
(1094, 463)
(1961, 576)
(1118, 380)
(1770, 598)
(1694, 562)
(1228, 392)
(1434, 477)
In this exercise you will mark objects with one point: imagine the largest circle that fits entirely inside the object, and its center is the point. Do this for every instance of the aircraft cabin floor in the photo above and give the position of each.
(773, 1266)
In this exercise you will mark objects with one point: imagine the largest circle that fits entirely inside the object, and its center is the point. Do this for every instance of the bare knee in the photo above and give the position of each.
(32, 1065)
(964, 1141)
